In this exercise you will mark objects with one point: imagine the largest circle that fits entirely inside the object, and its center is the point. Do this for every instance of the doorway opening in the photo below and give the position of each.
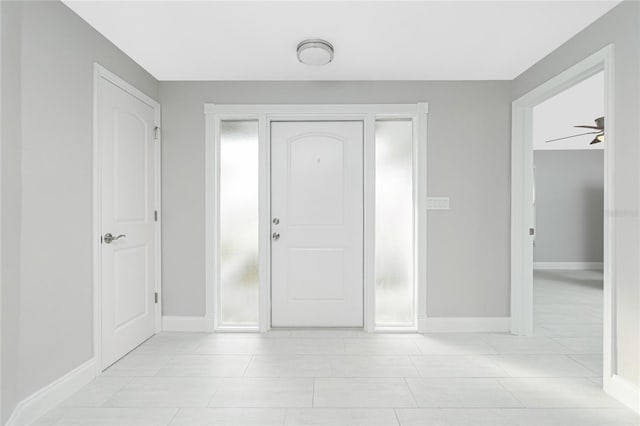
(523, 218)
(568, 158)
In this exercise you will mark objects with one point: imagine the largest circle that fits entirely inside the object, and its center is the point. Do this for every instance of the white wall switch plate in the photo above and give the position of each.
(437, 203)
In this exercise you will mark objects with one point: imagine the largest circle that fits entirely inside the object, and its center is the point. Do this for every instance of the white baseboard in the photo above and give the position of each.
(188, 324)
(624, 391)
(38, 404)
(464, 325)
(574, 266)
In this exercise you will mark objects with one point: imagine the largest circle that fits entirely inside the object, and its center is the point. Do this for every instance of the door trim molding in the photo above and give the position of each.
(100, 72)
(264, 114)
(522, 196)
(624, 391)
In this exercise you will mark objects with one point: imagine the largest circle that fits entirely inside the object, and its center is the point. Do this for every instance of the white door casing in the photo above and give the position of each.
(126, 127)
(522, 210)
(267, 114)
(317, 211)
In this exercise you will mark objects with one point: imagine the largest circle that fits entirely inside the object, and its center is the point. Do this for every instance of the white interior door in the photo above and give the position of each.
(317, 224)
(126, 127)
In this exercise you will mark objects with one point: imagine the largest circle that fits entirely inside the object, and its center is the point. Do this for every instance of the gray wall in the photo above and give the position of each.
(10, 226)
(569, 205)
(621, 26)
(55, 82)
(468, 148)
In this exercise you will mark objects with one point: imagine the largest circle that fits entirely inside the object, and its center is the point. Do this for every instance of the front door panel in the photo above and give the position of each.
(317, 207)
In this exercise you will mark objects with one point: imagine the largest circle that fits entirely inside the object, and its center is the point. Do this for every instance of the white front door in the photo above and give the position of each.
(126, 127)
(317, 224)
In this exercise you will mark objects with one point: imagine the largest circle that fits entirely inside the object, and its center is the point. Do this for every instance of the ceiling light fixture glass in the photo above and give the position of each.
(315, 52)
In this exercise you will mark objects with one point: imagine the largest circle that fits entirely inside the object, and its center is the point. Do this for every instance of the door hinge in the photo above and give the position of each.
(155, 215)
(155, 297)
(156, 134)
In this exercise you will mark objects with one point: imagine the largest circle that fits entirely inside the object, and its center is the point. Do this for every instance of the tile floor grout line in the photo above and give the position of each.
(413, 397)
(395, 411)
(415, 367)
(522, 404)
(246, 368)
(174, 416)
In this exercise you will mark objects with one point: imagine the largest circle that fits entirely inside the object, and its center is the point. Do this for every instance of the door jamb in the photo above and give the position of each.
(1, 276)
(265, 114)
(100, 72)
(522, 199)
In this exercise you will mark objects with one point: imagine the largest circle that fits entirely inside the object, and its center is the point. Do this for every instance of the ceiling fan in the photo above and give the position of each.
(599, 127)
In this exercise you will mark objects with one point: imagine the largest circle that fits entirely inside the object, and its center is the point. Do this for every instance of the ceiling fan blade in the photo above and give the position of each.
(572, 136)
(589, 127)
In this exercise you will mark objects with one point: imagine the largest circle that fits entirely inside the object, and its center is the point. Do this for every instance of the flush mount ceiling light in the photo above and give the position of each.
(315, 52)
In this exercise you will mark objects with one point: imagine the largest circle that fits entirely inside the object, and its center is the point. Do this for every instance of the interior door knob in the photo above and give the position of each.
(275, 236)
(108, 238)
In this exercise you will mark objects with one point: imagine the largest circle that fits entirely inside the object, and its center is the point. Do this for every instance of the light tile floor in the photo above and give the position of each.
(348, 377)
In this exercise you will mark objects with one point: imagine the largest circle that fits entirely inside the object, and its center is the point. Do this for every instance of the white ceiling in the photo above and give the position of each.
(578, 105)
(374, 40)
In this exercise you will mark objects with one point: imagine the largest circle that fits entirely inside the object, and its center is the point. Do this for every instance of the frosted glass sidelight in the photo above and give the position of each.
(394, 256)
(239, 223)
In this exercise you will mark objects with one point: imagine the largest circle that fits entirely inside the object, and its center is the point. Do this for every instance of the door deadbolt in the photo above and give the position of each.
(276, 221)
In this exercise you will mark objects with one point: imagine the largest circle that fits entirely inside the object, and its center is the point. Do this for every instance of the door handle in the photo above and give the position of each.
(275, 236)
(108, 238)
